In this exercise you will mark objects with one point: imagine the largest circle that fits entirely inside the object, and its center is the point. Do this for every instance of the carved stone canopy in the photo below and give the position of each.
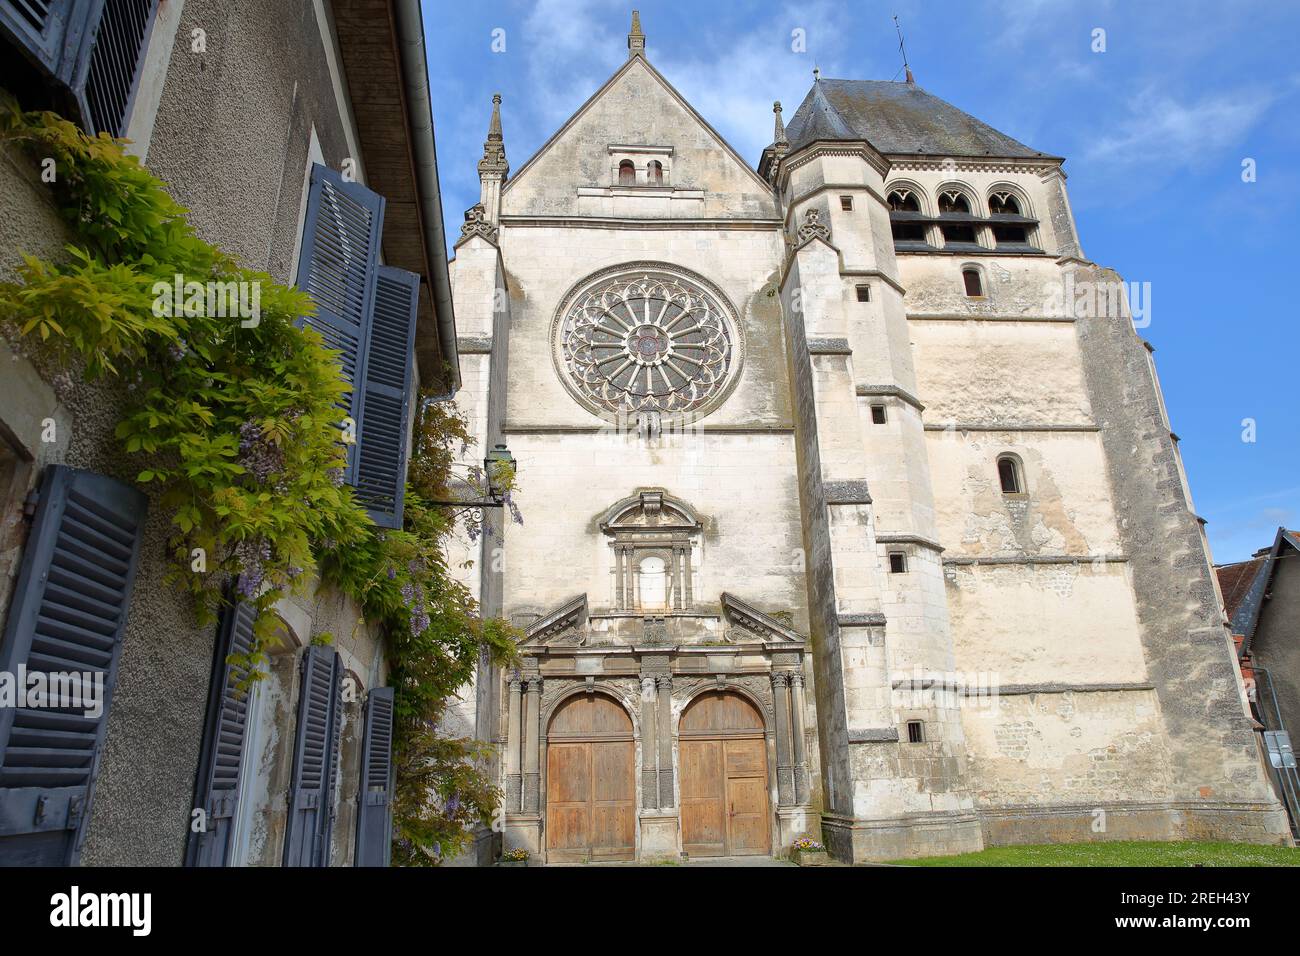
(477, 224)
(813, 227)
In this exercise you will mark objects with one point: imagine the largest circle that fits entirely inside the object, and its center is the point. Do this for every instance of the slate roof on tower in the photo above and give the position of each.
(897, 118)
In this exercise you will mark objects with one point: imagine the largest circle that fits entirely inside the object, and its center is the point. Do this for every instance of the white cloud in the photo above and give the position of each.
(1161, 130)
(734, 91)
(573, 46)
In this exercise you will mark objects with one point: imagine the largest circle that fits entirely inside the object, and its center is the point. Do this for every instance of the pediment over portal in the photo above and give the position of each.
(748, 618)
(566, 624)
(573, 625)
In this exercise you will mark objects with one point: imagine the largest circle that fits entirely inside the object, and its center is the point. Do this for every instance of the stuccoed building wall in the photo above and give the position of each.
(234, 128)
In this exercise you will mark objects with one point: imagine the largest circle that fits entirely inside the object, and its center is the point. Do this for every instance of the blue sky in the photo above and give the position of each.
(1155, 130)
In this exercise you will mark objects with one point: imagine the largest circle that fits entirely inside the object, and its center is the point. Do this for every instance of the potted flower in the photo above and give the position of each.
(516, 857)
(808, 852)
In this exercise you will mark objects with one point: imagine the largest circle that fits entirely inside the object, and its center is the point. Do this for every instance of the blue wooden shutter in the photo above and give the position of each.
(68, 615)
(115, 62)
(323, 845)
(315, 759)
(92, 49)
(340, 250)
(375, 798)
(384, 441)
(50, 32)
(216, 789)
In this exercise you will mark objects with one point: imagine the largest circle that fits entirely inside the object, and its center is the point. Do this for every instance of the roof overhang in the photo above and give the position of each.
(381, 43)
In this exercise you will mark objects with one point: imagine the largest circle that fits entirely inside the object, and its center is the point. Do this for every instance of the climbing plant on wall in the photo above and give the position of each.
(236, 430)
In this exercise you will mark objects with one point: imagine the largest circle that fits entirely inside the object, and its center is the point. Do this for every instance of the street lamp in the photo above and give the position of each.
(498, 467)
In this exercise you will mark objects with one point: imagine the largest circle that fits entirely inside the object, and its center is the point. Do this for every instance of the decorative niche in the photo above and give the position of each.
(654, 542)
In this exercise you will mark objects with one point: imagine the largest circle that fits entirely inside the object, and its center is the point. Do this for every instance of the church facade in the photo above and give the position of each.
(851, 506)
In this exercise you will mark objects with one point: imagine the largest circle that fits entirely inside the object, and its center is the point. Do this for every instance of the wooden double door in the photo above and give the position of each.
(590, 782)
(724, 787)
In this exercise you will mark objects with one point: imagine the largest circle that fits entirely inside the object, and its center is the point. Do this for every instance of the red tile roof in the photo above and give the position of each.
(1235, 581)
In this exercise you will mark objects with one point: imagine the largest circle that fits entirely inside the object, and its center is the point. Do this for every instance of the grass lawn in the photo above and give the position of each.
(1121, 853)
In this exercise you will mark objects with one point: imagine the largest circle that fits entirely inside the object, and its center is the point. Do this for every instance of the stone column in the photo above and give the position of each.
(686, 574)
(514, 738)
(665, 685)
(677, 583)
(532, 746)
(629, 580)
(784, 772)
(649, 746)
(618, 578)
(796, 725)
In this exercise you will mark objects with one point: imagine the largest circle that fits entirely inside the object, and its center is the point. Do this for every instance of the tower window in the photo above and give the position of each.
(915, 732)
(864, 293)
(846, 203)
(974, 286)
(878, 414)
(953, 205)
(655, 173)
(1009, 476)
(626, 173)
(905, 219)
(897, 562)
(1005, 204)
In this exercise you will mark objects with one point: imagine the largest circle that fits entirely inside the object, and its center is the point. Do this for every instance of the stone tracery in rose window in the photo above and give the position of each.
(647, 340)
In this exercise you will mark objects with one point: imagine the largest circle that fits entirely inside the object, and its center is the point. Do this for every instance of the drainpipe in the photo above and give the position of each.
(1290, 793)
(419, 114)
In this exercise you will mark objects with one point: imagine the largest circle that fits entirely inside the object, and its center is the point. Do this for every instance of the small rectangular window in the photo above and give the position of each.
(877, 414)
(846, 203)
(897, 562)
(915, 732)
(864, 293)
(974, 288)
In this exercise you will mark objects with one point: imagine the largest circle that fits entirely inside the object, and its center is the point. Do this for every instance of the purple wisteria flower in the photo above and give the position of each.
(251, 555)
(260, 458)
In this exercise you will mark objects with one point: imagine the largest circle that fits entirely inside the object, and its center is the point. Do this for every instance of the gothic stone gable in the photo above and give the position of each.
(637, 116)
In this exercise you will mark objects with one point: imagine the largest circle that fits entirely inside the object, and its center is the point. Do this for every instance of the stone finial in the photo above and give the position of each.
(817, 74)
(778, 134)
(477, 224)
(636, 39)
(494, 148)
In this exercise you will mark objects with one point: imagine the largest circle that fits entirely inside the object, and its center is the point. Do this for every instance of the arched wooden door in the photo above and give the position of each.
(590, 782)
(724, 777)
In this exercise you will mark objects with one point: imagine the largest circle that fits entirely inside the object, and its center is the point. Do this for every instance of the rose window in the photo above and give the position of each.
(646, 341)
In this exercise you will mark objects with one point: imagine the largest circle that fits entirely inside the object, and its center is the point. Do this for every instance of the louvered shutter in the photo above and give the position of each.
(116, 59)
(67, 616)
(216, 789)
(340, 249)
(384, 441)
(315, 758)
(323, 845)
(50, 32)
(94, 49)
(374, 800)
